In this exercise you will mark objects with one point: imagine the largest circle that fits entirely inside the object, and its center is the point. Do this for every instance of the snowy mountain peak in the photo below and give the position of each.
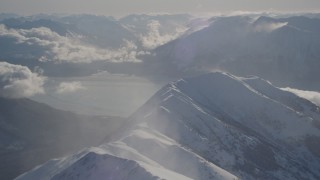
(265, 19)
(213, 126)
(245, 100)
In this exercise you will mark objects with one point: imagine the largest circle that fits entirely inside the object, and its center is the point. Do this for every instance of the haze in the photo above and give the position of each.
(123, 7)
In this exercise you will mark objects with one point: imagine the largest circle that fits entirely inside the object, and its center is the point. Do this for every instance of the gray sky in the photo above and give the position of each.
(122, 7)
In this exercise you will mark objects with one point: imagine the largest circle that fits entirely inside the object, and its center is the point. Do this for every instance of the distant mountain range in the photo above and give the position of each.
(32, 133)
(203, 126)
(84, 44)
(282, 50)
(213, 126)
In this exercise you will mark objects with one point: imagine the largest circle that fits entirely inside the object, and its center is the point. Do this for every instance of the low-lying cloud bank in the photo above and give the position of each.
(154, 38)
(71, 49)
(18, 81)
(312, 96)
(69, 87)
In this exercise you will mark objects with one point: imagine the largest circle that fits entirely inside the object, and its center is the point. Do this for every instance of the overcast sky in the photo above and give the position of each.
(123, 7)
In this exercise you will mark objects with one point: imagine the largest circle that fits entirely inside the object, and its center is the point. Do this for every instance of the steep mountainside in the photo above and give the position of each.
(32, 133)
(214, 126)
(278, 49)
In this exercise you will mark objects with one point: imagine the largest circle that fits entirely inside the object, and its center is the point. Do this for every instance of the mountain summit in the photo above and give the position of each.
(213, 126)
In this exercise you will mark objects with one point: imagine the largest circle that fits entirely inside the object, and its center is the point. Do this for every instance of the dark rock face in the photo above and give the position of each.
(313, 145)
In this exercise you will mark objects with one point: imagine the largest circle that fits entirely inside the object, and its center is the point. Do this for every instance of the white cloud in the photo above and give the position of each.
(269, 27)
(154, 39)
(312, 96)
(18, 81)
(68, 49)
(69, 87)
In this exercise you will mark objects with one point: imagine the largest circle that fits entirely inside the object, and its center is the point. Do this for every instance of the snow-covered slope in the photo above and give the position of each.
(214, 126)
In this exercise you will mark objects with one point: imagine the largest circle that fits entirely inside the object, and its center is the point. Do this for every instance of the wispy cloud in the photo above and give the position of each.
(18, 81)
(269, 27)
(154, 38)
(68, 48)
(69, 87)
(312, 96)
